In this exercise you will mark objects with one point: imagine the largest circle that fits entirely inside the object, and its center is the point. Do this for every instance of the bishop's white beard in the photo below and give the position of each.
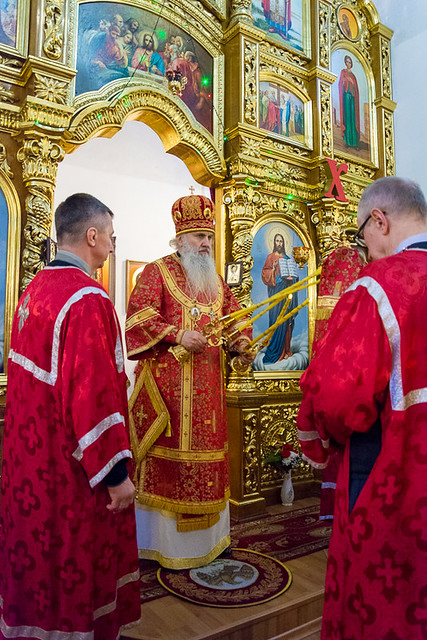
(200, 270)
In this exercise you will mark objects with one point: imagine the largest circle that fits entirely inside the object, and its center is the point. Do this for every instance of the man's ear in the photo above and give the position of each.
(381, 221)
(91, 234)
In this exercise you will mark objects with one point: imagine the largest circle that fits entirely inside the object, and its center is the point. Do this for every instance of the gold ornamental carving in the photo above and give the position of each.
(326, 115)
(4, 165)
(39, 157)
(50, 89)
(241, 203)
(38, 206)
(390, 168)
(268, 49)
(329, 217)
(282, 173)
(324, 46)
(250, 453)
(10, 62)
(290, 386)
(7, 95)
(386, 67)
(53, 28)
(278, 426)
(282, 147)
(284, 74)
(250, 147)
(359, 170)
(241, 12)
(163, 113)
(251, 85)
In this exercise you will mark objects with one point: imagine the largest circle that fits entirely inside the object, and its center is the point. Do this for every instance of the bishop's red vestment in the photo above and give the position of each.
(372, 369)
(69, 566)
(180, 438)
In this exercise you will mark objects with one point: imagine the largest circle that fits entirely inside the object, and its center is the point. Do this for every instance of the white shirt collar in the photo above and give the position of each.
(419, 237)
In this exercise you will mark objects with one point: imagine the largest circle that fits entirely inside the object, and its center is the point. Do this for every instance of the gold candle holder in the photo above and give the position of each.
(301, 255)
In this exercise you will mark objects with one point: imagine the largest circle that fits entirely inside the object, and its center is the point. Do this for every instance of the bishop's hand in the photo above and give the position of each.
(193, 341)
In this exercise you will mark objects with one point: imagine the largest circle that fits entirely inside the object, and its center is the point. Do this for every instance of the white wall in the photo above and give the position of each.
(408, 50)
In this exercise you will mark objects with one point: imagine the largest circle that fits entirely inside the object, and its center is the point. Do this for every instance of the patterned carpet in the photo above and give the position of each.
(283, 536)
(243, 579)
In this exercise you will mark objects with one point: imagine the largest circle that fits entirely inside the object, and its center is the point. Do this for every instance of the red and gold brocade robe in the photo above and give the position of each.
(339, 270)
(69, 566)
(373, 365)
(183, 452)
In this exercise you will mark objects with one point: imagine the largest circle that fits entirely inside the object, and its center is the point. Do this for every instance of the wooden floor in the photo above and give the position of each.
(295, 615)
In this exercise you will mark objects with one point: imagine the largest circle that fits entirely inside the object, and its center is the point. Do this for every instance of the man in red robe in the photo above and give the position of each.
(366, 392)
(177, 409)
(68, 555)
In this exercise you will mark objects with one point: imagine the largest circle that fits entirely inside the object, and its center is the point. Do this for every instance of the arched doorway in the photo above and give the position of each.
(133, 175)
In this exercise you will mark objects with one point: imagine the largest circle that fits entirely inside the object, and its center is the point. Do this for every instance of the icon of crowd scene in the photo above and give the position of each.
(120, 48)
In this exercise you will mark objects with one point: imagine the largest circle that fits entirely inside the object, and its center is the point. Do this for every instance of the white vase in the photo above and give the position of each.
(287, 490)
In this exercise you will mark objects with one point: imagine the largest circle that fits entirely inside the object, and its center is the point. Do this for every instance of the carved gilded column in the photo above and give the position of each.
(241, 201)
(250, 104)
(384, 103)
(324, 30)
(326, 119)
(53, 29)
(241, 12)
(39, 156)
(329, 216)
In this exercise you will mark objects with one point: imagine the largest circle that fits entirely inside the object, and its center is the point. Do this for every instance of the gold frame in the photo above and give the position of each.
(350, 10)
(133, 269)
(12, 266)
(308, 111)
(312, 292)
(22, 30)
(347, 45)
(105, 94)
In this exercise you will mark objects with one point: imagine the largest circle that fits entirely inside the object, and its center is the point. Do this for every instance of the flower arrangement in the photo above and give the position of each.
(283, 458)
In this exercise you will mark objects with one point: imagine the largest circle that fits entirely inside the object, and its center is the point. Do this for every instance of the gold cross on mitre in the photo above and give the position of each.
(192, 190)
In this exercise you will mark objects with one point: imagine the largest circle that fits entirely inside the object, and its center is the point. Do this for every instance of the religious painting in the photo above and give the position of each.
(134, 268)
(14, 25)
(234, 273)
(4, 220)
(282, 20)
(351, 106)
(275, 269)
(348, 23)
(117, 41)
(282, 112)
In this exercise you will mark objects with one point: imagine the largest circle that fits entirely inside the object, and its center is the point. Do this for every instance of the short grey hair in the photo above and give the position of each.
(394, 195)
